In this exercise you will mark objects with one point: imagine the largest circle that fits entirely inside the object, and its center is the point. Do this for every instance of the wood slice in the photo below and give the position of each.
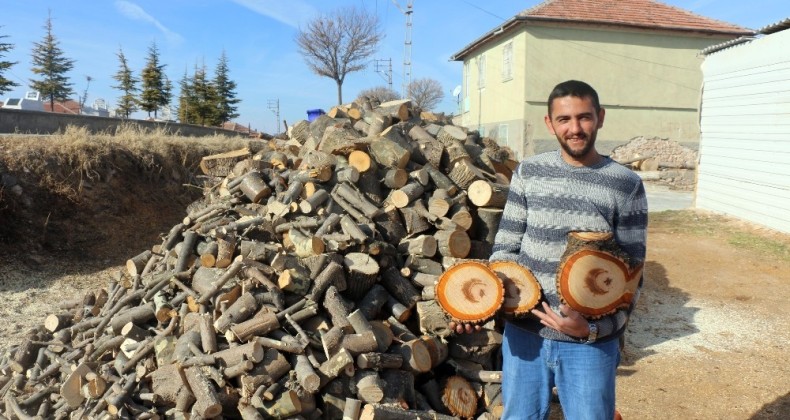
(595, 275)
(470, 292)
(459, 397)
(522, 290)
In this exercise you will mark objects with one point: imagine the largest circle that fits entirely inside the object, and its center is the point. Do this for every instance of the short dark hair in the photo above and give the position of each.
(576, 89)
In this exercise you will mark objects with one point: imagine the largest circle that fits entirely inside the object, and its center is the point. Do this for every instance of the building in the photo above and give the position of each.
(30, 102)
(744, 168)
(642, 57)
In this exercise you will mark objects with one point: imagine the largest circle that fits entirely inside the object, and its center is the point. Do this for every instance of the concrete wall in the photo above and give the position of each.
(649, 81)
(744, 168)
(33, 122)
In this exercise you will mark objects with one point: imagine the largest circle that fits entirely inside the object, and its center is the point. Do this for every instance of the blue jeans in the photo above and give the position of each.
(584, 375)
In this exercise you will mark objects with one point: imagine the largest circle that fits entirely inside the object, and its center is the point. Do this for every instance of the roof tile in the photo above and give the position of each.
(642, 13)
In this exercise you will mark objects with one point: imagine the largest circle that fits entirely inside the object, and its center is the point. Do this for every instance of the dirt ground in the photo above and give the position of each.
(708, 340)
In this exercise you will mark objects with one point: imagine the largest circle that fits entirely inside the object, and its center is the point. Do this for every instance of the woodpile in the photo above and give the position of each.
(302, 285)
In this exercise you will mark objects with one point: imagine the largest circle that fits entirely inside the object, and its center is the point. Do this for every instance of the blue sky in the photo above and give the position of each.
(258, 38)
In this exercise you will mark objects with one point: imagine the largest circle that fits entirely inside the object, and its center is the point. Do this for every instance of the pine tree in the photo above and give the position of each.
(205, 97)
(5, 84)
(186, 101)
(226, 92)
(154, 94)
(50, 63)
(127, 83)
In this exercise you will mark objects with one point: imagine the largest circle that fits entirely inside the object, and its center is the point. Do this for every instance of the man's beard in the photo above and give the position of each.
(579, 153)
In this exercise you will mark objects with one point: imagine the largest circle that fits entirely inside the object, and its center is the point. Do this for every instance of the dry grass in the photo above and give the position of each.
(741, 234)
(64, 162)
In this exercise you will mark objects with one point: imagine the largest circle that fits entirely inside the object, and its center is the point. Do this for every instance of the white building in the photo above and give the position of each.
(744, 168)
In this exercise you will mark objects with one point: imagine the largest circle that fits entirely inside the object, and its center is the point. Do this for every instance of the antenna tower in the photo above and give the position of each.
(407, 46)
(274, 106)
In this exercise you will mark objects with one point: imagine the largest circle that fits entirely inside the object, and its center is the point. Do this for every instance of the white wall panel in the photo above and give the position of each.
(745, 132)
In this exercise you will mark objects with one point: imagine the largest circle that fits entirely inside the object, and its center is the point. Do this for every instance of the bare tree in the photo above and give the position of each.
(339, 43)
(379, 94)
(425, 93)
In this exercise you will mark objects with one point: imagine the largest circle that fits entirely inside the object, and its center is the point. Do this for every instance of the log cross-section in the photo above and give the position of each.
(470, 292)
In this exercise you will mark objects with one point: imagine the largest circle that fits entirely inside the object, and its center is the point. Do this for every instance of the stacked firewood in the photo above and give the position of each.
(300, 286)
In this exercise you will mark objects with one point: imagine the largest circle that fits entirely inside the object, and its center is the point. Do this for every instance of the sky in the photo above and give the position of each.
(258, 38)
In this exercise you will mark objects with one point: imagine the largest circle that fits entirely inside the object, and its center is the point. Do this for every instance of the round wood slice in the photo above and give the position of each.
(470, 292)
(522, 290)
(595, 277)
(459, 397)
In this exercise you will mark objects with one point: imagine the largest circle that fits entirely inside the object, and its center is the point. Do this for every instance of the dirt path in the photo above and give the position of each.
(709, 338)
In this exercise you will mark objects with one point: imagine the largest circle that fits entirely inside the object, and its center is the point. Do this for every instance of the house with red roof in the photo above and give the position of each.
(642, 56)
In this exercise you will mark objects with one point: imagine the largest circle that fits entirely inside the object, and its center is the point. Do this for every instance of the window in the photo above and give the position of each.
(507, 61)
(502, 133)
(481, 71)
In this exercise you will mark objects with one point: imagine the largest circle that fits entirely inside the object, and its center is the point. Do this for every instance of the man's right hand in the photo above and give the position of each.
(461, 328)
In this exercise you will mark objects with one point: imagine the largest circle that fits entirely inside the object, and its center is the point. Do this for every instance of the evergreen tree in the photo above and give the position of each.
(204, 92)
(50, 63)
(127, 83)
(226, 92)
(186, 101)
(5, 84)
(154, 94)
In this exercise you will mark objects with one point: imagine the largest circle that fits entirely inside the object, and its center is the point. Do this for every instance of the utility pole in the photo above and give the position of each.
(386, 71)
(274, 106)
(407, 46)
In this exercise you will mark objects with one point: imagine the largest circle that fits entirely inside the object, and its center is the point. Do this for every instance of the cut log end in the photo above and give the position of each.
(470, 292)
(522, 290)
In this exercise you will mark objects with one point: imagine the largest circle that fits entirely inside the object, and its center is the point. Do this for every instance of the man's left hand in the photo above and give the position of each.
(568, 321)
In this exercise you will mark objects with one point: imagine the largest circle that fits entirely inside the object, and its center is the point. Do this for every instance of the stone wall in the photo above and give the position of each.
(35, 122)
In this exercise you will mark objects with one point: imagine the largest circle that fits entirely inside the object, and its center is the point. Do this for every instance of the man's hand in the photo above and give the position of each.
(460, 327)
(567, 321)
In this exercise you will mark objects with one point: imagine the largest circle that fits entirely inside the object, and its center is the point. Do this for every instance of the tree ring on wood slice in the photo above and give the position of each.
(522, 290)
(594, 275)
(469, 292)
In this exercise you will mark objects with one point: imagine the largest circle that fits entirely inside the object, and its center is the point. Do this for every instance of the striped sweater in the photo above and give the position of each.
(549, 198)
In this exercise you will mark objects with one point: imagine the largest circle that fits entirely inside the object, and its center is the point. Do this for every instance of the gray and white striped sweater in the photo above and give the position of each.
(549, 198)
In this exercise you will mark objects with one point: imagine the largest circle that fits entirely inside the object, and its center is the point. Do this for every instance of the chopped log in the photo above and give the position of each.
(522, 290)
(57, 322)
(401, 197)
(338, 307)
(360, 160)
(370, 387)
(357, 199)
(450, 134)
(455, 152)
(395, 178)
(362, 272)
(254, 187)
(399, 287)
(487, 194)
(351, 409)
(305, 245)
(470, 292)
(261, 324)
(421, 246)
(488, 225)
(221, 164)
(459, 397)
(243, 308)
(463, 173)
(286, 405)
(399, 109)
(596, 277)
(339, 362)
(305, 374)
(436, 348)
(207, 402)
(379, 361)
(423, 265)
(136, 264)
(414, 221)
(441, 180)
(453, 243)
(416, 357)
(433, 320)
(389, 154)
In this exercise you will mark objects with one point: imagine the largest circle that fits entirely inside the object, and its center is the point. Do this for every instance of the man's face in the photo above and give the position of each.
(575, 123)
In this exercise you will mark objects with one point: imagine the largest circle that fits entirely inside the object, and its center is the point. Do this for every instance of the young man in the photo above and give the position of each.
(551, 194)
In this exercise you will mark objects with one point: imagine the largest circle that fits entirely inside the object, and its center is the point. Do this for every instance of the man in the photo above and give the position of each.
(551, 194)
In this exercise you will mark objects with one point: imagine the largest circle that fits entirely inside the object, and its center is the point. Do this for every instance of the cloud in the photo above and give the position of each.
(285, 12)
(135, 12)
